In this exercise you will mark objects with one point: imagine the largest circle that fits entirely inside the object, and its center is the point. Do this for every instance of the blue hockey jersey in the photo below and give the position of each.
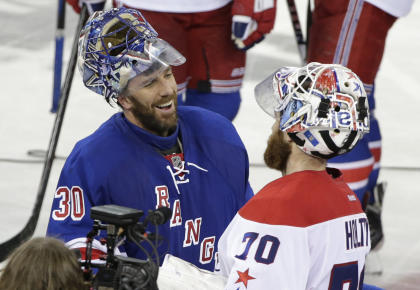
(120, 164)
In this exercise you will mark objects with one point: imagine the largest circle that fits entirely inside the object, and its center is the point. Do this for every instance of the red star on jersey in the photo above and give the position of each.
(244, 277)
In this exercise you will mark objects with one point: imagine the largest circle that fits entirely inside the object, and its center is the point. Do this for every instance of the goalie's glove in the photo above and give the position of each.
(251, 20)
(92, 5)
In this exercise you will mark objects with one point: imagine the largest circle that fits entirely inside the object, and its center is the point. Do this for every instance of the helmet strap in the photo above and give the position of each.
(323, 108)
(329, 142)
(361, 108)
(296, 139)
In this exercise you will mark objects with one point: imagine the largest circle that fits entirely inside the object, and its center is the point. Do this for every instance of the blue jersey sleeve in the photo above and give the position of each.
(75, 194)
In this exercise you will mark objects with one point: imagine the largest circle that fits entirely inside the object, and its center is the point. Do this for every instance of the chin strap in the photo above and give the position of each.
(329, 142)
(296, 139)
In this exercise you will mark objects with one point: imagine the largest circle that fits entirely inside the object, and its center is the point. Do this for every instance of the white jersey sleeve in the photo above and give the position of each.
(396, 8)
(175, 6)
(262, 256)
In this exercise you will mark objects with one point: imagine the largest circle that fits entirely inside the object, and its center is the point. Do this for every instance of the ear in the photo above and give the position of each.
(287, 138)
(125, 102)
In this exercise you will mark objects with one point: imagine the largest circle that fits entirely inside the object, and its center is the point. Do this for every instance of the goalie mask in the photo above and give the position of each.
(322, 107)
(117, 45)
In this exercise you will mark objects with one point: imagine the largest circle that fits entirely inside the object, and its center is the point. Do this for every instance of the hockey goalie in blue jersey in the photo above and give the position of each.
(152, 154)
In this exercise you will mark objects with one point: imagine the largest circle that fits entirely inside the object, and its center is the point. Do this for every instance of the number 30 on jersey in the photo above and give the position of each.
(71, 203)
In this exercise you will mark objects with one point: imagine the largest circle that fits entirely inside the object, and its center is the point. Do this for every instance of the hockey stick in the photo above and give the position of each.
(297, 28)
(58, 59)
(383, 167)
(7, 247)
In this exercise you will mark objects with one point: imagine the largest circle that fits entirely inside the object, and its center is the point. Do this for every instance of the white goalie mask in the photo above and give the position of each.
(322, 107)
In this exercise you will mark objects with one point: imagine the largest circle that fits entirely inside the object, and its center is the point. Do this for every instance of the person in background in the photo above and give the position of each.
(353, 33)
(213, 35)
(42, 263)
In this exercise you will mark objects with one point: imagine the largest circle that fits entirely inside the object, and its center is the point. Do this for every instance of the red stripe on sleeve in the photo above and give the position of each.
(96, 254)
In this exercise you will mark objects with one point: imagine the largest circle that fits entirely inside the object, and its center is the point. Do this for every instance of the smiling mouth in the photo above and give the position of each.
(165, 106)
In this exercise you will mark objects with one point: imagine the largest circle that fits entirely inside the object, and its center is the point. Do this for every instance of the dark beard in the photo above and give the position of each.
(149, 121)
(277, 152)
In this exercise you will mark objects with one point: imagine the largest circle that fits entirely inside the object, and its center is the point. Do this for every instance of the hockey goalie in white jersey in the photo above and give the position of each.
(305, 230)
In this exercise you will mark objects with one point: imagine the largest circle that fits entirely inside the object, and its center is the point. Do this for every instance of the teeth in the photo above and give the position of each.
(165, 105)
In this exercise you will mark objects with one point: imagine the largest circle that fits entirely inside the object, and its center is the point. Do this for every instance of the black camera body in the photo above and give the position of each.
(121, 272)
(115, 214)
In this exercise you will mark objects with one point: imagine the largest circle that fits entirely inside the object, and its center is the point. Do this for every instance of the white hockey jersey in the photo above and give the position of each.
(303, 231)
(177, 6)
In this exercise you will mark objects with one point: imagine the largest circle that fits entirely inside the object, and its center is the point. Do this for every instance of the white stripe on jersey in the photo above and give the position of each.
(348, 28)
(358, 184)
(352, 165)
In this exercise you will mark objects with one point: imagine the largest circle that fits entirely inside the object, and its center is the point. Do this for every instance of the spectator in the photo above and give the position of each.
(42, 264)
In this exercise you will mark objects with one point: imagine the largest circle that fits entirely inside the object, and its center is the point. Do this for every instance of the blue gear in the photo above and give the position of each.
(226, 104)
(361, 151)
(103, 52)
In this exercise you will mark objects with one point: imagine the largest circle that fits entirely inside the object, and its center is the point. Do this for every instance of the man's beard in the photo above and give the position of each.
(277, 152)
(147, 117)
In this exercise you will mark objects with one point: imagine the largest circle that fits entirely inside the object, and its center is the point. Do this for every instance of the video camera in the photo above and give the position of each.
(121, 272)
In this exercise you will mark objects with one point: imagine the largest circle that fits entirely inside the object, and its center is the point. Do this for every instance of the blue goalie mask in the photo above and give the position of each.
(117, 45)
(323, 107)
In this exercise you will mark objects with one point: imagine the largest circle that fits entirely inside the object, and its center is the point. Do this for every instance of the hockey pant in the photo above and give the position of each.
(353, 33)
(213, 73)
(226, 104)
